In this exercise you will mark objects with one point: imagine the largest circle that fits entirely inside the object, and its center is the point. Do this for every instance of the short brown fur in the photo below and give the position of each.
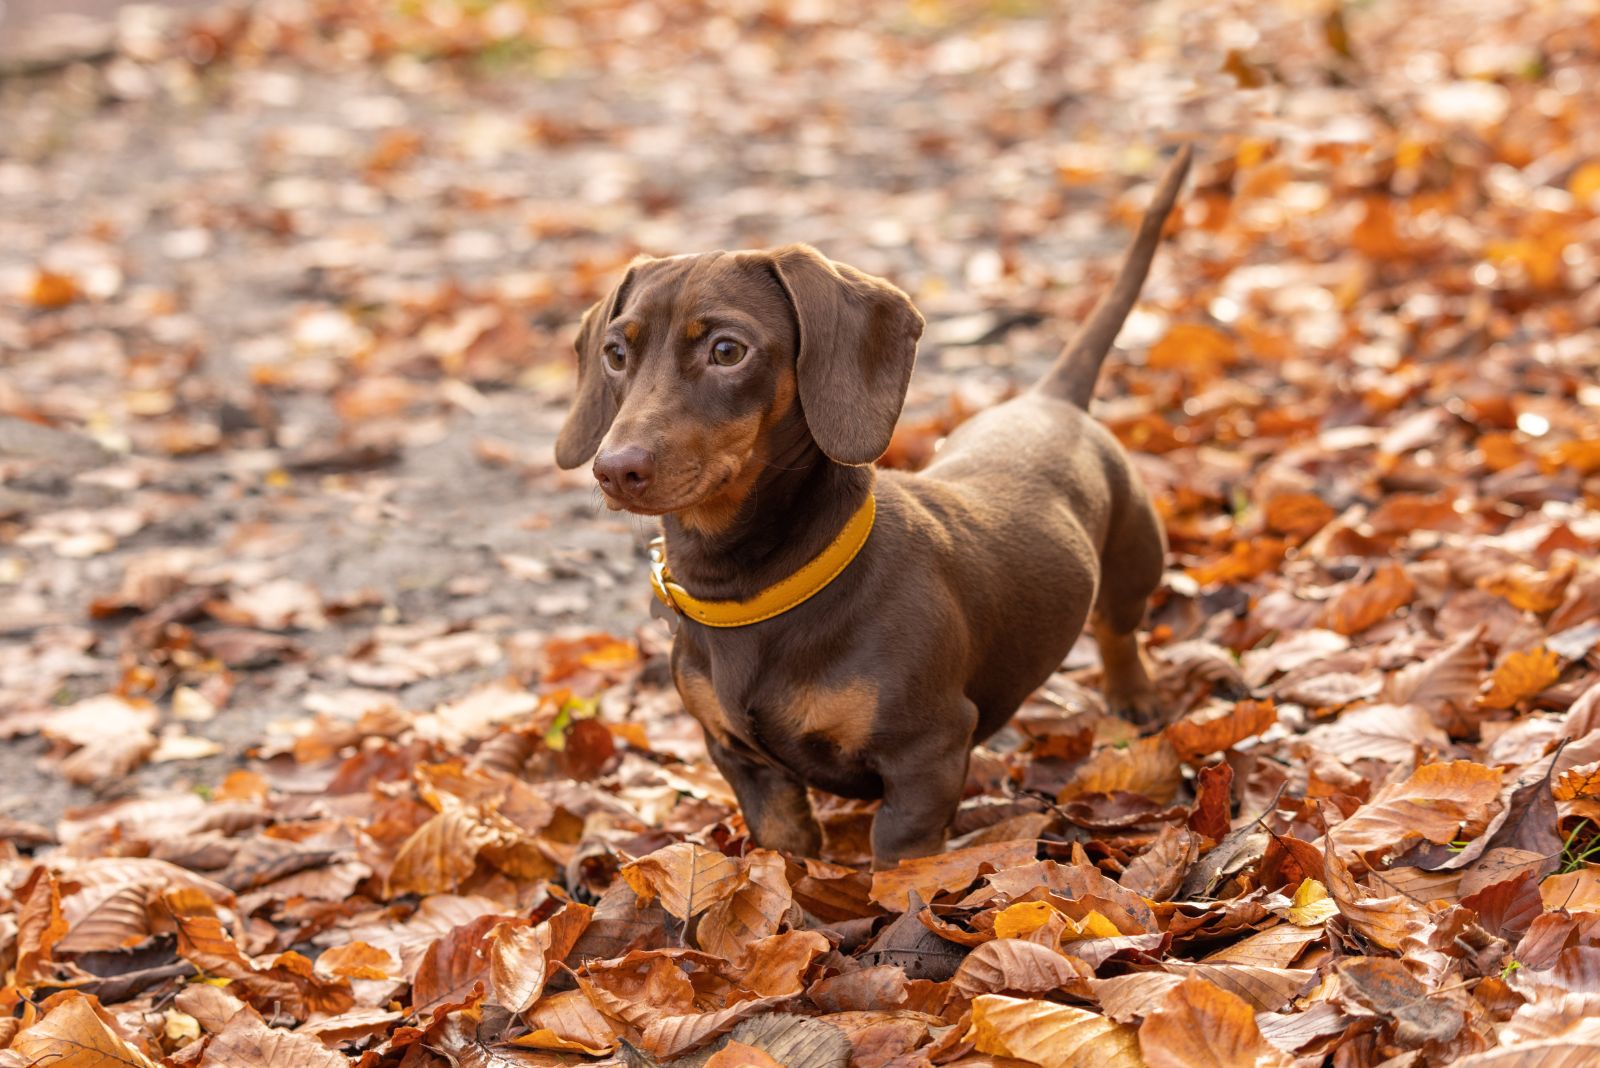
(975, 582)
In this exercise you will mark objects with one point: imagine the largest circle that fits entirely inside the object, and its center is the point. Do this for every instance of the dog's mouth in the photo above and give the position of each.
(691, 489)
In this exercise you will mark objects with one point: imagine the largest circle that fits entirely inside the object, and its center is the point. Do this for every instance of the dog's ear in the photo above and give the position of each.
(593, 407)
(858, 339)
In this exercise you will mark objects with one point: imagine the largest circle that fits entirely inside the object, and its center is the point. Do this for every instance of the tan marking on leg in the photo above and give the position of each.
(1126, 684)
(700, 698)
(842, 714)
(695, 329)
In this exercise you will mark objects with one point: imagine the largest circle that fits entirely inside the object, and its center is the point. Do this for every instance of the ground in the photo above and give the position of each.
(286, 305)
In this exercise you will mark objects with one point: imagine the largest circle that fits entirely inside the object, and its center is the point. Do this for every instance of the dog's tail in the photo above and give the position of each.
(1073, 375)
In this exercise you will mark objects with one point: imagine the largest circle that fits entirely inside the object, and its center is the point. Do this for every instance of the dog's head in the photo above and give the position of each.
(688, 368)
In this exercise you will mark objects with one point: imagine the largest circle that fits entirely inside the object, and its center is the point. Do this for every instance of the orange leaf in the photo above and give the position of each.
(688, 878)
(1584, 184)
(1245, 560)
(1359, 607)
(1297, 515)
(1388, 921)
(358, 960)
(520, 958)
(1195, 347)
(1439, 802)
(1520, 676)
(1212, 730)
(1579, 782)
(1147, 766)
(51, 290)
(739, 1055)
(1010, 964)
(751, 911)
(1581, 457)
(40, 925)
(247, 1040)
(1199, 1023)
(1531, 590)
(955, 870)
(778, 964)
(75, 1034)
(1051, 1035)
(1575, 891)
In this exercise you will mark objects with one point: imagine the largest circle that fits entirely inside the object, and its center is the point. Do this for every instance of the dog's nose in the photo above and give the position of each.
(625, 470)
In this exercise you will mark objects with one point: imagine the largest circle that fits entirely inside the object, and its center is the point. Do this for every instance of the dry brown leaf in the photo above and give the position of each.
(1297, 515)
(1196, 348)
(76, 1034)
(39, 926)
(246, 1040)
(1450, 676)
(1520, 676)
(51, 290)
(752, 910)
(667, 1036)
(571, 1018)
(1159, 870)
(777, 965)
(1531, 590)
(1051, 1035)
(1441, 803)
(288, 983)
(942, 872)
(1384, 986)
(1213, 730)
(357, 960)
(739, 1055)
(1579, 782)
(1011, 965)
(1147, 766)
(1359, 607)
(520, 958)
(687, 878)
(1575, 891)
(1388, 921)
(1198, 1023)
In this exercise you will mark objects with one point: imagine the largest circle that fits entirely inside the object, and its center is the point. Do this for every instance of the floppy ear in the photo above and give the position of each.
(858, 339)
(593, 407)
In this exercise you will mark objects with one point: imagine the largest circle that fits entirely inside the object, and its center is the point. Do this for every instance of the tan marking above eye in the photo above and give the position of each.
(631, 331)
(695, 330)
(843, 715)
(700, 698)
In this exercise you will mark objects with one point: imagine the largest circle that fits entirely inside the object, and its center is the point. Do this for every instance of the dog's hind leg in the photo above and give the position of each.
(1130, 570)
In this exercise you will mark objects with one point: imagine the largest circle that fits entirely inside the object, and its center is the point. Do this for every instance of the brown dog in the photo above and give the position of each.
(743, 396)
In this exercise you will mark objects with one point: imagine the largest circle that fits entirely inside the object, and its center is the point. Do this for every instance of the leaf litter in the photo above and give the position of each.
(461, 819)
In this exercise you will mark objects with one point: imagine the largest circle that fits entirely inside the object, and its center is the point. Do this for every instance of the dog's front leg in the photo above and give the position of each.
(773, 801)
(923, 779)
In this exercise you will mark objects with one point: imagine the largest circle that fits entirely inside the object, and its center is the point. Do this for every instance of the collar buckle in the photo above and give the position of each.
(660, 577)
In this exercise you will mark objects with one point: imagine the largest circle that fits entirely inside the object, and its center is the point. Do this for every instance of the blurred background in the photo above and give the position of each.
(287, 289)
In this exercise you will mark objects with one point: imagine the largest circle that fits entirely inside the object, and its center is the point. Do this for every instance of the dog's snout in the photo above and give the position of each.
(627, 470)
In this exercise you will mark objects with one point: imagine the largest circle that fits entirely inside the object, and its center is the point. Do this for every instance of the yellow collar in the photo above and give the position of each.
(776, 599)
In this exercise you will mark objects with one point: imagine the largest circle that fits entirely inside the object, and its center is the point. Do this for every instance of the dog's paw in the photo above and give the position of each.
(1142, 707)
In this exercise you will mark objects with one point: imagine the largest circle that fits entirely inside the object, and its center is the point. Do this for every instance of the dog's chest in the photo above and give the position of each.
(741, 696)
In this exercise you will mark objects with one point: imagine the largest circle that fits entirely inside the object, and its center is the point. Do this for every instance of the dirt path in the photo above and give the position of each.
(286, 323)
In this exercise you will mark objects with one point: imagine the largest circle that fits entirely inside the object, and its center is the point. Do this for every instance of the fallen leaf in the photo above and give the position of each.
(1198, 1023)
(954, 870)
(1051, 1035)
(1359, 607)
(1520, 676)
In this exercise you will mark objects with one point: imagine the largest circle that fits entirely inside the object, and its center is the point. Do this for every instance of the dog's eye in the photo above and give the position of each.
(727, 352)
(616, 358)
